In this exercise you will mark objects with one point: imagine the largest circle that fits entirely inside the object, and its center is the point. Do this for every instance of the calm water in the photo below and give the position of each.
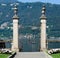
(54, 45)
(33, 45)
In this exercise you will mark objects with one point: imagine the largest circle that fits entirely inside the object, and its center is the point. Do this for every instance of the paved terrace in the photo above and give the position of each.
(32, 55)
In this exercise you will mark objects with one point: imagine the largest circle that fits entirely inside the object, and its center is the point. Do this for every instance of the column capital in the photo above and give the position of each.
(15, 12)
(43, 13)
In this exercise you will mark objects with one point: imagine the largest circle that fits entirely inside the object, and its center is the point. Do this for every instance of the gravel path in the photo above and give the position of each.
(32, 55)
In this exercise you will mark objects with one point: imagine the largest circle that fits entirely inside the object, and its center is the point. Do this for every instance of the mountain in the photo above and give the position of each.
(8, 1)
(30, 13)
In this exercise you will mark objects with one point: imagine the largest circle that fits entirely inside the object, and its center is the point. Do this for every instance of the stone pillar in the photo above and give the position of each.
(15, 31)
(43, 30)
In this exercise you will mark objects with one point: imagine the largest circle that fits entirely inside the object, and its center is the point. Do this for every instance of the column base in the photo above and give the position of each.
(44, 49)
(15, 49)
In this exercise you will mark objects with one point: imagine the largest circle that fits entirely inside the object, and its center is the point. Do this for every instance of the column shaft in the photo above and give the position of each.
(43, 35)
(15, 36)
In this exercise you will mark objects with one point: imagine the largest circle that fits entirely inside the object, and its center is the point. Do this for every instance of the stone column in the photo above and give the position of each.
(43, 30)
(15, 31)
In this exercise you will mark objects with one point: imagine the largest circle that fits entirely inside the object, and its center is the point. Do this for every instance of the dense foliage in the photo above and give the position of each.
(29, 14)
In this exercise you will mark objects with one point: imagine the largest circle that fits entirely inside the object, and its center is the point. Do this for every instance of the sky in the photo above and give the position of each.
(50, 1)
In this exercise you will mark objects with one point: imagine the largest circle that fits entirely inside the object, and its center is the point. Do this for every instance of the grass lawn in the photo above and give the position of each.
(56, 55)
(4, 55)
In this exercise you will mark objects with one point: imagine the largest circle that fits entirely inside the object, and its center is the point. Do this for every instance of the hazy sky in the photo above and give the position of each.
(50, 1)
